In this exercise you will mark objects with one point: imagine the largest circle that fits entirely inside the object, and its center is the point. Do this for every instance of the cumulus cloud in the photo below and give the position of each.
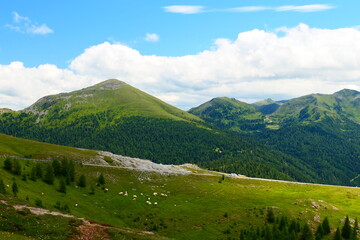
(285, 63)
(184, 9)
(26, 26)
(152, 37)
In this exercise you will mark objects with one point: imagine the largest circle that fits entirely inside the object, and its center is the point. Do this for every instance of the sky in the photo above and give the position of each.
(183, 52)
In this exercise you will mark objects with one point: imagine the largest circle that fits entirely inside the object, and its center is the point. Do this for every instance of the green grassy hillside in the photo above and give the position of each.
(12, 146)
(207, 206)
(230, 113)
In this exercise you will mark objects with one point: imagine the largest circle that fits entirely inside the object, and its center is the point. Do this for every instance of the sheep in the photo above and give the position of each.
(155, 193)
(76, 204)
(134, 196)
(121, 193)
(148, 202)
(155, 203)
(125, 194)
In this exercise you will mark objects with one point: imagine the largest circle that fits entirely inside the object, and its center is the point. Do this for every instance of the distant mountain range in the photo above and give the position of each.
(314, 138)
(319, 129)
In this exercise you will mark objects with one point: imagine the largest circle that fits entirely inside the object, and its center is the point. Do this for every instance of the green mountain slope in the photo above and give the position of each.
(116, 117)
(230, 113)
(342, 105)
(320, 130)
(267, 106)
(111, 99)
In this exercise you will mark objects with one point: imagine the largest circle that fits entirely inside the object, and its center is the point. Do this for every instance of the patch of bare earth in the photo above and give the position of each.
(88, 230)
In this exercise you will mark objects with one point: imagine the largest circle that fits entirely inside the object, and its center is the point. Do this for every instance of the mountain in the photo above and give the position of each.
(230, 113)
(115, 117)
(113, 99)
(322, 130)
(267, 106)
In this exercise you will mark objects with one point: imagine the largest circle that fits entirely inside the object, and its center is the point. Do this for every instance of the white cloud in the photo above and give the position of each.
(258, 64)
(184, 9)
(249, 9)
(189, 9)
(306, 8)
(152, 37)
(26, 26)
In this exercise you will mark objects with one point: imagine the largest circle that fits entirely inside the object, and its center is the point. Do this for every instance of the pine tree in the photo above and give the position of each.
(355, 230)
(268, 233)
(15, 188)
(2, 187)
(39, 171)
(101, 179)
(326, 226)
(62, 186)
(16, 167)
(8, 164)
(72, 170)
(49, 175)
(337, 235)
(82, 181)
(270, 216)
(57, 167)
(306, 233)
(319, 232)
(346, 230)
(33, 176)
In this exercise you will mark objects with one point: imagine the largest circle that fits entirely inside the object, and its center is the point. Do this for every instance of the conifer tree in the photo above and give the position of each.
(101, 179)
(270, 216)
(39, 171)
(33, 176)
(346, 229)
(16, 167)
(326, 226)
(15, 188)
(62, 186)
(8, 164)
(306, 233)
(82, 181)
(57, 167)
(268, 233)
(337, 235)
(72, 170)
(355, 230)
(49, 174)
(2, 187)
(319, 232)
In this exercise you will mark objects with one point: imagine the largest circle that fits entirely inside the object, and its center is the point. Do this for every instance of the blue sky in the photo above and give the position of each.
(50, 38)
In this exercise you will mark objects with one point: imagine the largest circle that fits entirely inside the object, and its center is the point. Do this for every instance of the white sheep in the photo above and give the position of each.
(121, 193)
(125, 194)
(148, 202)
(155, 203)
(134, 196)
(155, 193)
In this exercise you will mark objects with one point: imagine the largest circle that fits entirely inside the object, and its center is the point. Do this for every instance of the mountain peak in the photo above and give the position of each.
(346, 92)
(110, 84)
